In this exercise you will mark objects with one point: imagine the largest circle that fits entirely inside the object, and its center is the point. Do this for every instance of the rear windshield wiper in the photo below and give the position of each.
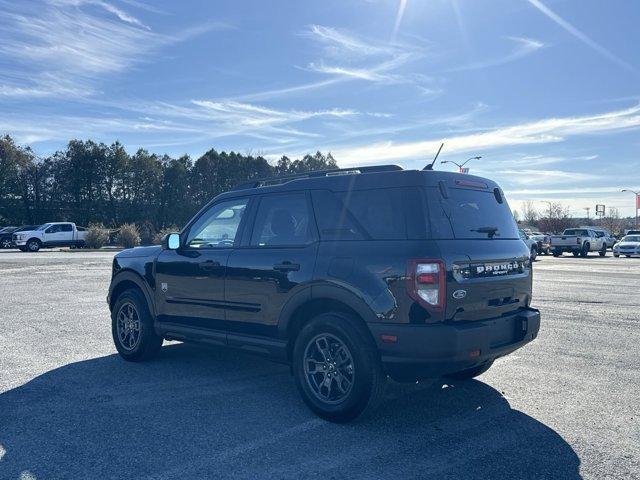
(490, 231)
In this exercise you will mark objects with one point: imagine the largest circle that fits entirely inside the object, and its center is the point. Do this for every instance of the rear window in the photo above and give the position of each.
(375, 214)
(470, 214)
(580, 233)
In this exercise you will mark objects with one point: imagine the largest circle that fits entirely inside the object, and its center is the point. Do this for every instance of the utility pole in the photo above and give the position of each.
(637, 204)
(587, 209)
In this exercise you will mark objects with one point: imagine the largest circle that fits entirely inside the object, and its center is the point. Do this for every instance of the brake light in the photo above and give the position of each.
(426, 283)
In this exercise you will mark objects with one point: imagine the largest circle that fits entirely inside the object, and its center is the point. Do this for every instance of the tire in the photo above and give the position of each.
(6, 243)
(344, 341)
(470, 373)
(33, 245)
(603, 250)
(130, 309)
(616, 255)
(557, 253)
(576, 254)
(22, 249)
(585, 250)
(628, 256)
(534, 254)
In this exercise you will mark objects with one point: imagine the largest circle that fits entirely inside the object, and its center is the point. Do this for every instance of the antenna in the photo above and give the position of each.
(430, 166)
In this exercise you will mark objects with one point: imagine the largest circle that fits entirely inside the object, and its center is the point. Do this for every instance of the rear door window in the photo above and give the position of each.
(282, 220)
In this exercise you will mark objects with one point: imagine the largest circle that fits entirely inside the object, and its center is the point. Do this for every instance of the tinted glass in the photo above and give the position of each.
(377, 214)
(53, 229)
(583, 233)
(470, 214)
(218, 227)
(66, 227)
(282, 220)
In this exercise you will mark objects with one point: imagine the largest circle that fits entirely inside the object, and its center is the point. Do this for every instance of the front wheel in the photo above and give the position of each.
(6, 243)
(336, 368)
(132, 327)
(33, 245)
(470, 373)
(534, 254)
(603, 251)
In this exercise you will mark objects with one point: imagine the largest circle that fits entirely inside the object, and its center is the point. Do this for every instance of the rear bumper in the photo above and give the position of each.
(567, 248)
(430, 351)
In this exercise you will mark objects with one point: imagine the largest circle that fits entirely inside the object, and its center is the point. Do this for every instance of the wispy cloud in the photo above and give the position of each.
(65, 47)
(581, 36)
(536, 132)
(523, 48)
(402, 6)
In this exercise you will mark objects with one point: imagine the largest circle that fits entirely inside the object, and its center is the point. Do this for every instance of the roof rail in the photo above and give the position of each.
(279, 180)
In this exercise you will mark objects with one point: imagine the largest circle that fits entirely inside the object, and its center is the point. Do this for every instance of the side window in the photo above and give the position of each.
(379, 214)
(217, 228)
(282, 220)
(66, 227)
(53, 229)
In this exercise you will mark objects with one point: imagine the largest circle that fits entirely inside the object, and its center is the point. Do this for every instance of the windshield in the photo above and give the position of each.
(43, 227)
(631, 238)
(469, 214)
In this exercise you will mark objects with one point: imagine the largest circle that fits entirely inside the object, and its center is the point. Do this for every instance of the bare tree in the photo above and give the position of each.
(516, 215)
(558, 219)
(529, 213)
(612, 221)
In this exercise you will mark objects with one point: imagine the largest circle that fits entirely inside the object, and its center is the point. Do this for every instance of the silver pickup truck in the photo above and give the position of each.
(55, 234)
(578, 241)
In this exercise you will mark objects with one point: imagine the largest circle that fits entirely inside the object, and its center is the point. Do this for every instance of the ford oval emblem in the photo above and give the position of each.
(459, 294)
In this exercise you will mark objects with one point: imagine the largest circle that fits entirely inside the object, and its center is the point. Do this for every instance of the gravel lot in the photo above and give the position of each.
(565, 406)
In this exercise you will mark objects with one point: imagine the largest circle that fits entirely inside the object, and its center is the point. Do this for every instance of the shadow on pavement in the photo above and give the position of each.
(200, 413)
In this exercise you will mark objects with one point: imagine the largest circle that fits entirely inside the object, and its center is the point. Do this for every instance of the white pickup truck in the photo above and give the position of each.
(58, 234)
(579, 241)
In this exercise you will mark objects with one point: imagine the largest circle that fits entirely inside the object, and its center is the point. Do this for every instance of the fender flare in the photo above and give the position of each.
(132, 276)
(327, 291)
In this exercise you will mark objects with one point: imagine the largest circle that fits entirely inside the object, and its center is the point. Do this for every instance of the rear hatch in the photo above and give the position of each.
(488, 267)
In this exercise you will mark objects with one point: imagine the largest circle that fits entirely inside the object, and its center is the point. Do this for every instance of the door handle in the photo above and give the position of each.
(287, 267)
(209, 265)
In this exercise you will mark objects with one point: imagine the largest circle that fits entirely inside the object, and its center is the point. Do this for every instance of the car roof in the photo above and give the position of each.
(358, 178)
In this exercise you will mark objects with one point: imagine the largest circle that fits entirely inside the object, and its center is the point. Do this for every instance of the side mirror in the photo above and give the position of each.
(171, 241)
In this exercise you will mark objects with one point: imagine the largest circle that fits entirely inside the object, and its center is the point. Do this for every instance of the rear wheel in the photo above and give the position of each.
(603, 250)
(471, 372)
(336, 368)
(585, 250)
(132, 327)
(534, 254)
(576, 253)
(33, 245)
(557, 253)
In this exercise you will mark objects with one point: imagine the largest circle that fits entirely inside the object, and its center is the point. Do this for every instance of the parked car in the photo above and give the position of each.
(628, 246)
(6, 236)
(633, 232)
(606, 235)
(579, 242)
(345, 275)
(543, 242)
(531, 244)
(56, 234)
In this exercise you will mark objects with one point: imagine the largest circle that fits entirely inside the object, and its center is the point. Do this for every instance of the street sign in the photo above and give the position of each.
(464, 169)
(600, 210)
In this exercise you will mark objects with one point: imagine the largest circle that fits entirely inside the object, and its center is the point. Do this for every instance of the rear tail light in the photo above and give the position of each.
(426, 283)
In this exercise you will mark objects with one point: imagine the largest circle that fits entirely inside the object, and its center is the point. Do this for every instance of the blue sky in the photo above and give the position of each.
(546, 91)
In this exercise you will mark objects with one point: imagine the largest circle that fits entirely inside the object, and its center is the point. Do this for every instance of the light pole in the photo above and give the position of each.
(463, 163)
(587, 209)
(637, 194)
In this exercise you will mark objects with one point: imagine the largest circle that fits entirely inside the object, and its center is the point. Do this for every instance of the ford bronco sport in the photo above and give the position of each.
(349, 276)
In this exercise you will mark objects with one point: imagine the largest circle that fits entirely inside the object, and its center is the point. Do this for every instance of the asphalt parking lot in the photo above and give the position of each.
(565, 406)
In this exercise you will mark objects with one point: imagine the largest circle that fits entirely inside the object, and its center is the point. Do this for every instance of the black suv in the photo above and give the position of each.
(349, 276)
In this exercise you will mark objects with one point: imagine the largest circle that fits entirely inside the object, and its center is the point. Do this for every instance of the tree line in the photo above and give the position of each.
(90, 182)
